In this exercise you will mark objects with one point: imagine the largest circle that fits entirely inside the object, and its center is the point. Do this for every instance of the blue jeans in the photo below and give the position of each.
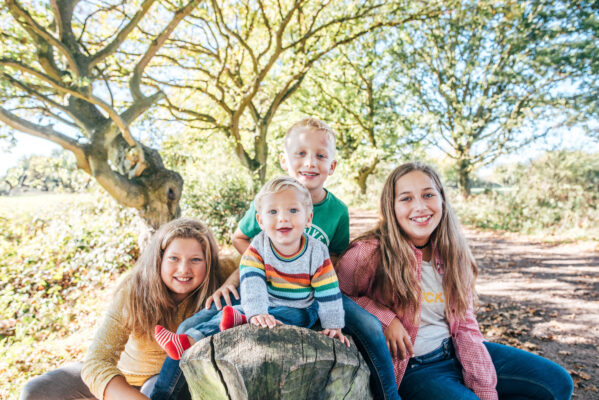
(171, 383)
(520, 375)
(368, 335)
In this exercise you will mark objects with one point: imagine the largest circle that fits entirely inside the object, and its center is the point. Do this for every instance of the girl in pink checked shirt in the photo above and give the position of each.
(416, 274)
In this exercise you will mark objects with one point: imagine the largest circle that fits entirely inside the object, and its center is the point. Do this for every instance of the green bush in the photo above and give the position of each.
(557, 193)
(219, 202)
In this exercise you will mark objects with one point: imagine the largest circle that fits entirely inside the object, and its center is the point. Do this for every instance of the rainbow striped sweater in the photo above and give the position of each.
(269, 278)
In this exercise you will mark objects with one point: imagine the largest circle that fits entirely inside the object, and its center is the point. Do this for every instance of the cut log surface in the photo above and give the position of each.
(286, 362)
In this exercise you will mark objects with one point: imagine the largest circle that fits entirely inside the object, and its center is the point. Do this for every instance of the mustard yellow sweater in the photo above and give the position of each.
(115, 351)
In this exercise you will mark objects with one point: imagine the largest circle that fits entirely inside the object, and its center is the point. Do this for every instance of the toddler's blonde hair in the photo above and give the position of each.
(277, 185)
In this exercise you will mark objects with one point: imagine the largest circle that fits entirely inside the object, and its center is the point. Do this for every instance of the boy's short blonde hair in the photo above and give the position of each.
(277, 185)
(314, 124)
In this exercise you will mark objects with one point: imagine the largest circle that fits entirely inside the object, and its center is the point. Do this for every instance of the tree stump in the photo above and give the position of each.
(286, 362)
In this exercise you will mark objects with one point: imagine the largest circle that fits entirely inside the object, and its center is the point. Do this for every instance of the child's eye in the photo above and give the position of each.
(321, 156)
(172, 258)
(272, 212)
(293, 210)
(301, 153)
(429, 195)
(197, 259)
(405, 198)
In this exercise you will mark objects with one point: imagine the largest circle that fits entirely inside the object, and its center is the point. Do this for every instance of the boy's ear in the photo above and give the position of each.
(332, 168)
(259, 220)
(283, 160)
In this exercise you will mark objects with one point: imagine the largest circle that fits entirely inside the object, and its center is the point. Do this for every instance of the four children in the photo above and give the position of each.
(286, 276)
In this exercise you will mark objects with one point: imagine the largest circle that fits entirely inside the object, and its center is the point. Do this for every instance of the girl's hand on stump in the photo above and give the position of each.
(265, 321)
(336, 333)
(398, 340)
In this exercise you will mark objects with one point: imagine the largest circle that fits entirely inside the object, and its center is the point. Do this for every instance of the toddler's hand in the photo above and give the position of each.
(265, 321)
(332, 333)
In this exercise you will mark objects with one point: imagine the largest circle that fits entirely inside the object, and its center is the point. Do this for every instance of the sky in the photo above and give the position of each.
(26, 145)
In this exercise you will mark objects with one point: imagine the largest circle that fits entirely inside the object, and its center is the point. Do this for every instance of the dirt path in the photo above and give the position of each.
(538, 297)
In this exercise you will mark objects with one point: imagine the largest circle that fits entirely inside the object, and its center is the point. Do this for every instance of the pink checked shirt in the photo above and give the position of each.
(355, 271)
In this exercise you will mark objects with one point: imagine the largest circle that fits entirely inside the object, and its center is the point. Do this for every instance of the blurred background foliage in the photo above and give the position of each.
(554, 194)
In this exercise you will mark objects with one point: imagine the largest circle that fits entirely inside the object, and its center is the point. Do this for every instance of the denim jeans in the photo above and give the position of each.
(368, 335)
(520, 375)
(171, 383)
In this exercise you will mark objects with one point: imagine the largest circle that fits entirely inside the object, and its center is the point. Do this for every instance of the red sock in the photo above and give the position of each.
(173, 344)
(231, 318)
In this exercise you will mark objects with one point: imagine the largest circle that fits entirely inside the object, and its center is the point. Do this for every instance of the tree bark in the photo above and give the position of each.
(286, 362)
(361, 177)
(464, 177)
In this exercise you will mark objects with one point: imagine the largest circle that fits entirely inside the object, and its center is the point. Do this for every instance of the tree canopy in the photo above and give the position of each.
(480, 79)
(86, 75)
(111, 81)
(72, 74)
(239, 62)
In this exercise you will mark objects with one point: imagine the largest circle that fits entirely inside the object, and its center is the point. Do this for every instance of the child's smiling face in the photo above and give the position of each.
(418, 206)
(183, 267)
(309, 157)
(283, 217)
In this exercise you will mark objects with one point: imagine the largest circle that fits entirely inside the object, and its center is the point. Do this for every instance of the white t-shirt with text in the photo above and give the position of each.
(433, 327)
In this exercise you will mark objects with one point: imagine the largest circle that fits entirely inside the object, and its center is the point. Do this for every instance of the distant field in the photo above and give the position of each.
(29, 202)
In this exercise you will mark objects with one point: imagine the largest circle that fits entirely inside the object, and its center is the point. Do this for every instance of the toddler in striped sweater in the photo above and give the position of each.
(286, 276)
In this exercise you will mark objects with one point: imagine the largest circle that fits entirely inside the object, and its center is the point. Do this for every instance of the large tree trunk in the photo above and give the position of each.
(286, 362)
(68, 82)
(155, 192)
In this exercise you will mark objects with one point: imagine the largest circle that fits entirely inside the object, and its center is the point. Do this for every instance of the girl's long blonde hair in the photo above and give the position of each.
(395, 280)
(148, 301)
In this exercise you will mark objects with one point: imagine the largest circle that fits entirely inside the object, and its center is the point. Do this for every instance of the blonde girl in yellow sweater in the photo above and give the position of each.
(170, 282)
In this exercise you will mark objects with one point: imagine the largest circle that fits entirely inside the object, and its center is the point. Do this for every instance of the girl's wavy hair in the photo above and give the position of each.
(395, 281)
(148, 300)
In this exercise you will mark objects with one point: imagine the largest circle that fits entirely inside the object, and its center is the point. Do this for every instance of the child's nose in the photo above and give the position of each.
(283, 216)
(184, 265)
(310, 160)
